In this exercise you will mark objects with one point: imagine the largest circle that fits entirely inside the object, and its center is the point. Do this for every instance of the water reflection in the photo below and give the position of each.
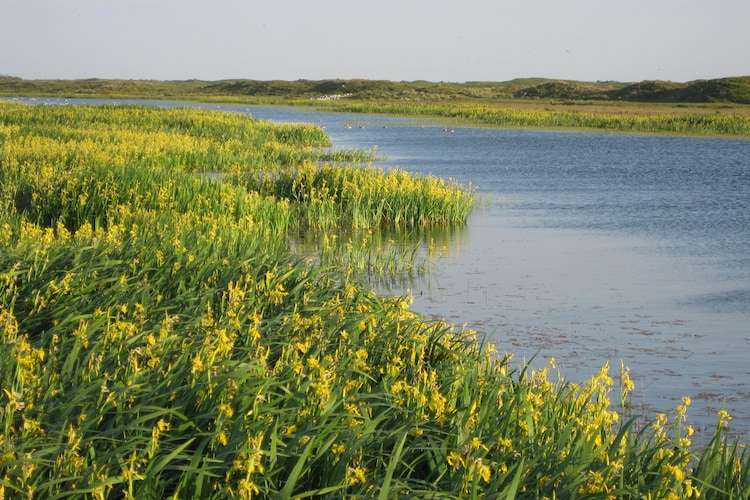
(391, 260)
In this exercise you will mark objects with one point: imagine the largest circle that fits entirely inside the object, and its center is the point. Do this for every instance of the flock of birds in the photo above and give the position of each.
(349, 126)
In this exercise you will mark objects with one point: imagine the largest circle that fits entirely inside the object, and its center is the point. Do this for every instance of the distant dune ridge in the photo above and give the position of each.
(728, 90)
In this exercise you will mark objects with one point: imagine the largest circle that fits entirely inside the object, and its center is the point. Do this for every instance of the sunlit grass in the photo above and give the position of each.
(160, 337)
(330, 196)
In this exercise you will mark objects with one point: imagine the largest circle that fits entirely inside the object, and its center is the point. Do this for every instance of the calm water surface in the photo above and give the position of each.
(595, 248)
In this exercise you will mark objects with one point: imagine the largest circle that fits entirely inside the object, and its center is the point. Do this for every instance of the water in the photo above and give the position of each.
(596, 248)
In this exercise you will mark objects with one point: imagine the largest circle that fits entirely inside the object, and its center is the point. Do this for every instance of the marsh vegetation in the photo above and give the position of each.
(160, 337)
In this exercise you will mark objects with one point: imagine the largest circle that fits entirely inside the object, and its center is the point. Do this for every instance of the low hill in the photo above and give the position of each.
(734, 90)
(719, 90)
(729, 90)
(569, 90)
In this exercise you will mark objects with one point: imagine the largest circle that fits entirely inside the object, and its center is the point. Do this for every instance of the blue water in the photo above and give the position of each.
(594, 248)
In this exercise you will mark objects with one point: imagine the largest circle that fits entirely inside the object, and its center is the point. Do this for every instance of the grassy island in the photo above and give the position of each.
(162, 335)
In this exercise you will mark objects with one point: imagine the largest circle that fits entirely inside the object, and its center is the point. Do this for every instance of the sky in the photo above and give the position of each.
(399, 40)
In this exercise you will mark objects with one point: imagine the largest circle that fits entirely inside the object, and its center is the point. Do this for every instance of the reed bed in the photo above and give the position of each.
(364, 197)
(732, 124)
(191, 140)
(163, 348)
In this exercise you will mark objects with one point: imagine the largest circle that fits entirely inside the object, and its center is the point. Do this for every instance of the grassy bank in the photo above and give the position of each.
(683, 123)
(158, 337)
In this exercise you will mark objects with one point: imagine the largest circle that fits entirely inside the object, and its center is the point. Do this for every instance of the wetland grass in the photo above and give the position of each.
(364, 197)
(688, 123)
(161, 340)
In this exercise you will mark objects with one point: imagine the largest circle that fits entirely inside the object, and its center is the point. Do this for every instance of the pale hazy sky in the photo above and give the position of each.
(436, 40)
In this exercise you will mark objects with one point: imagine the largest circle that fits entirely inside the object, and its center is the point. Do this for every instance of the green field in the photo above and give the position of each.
(160, 336)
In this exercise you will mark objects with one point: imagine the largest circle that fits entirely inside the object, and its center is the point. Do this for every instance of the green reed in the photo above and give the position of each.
(331, 196)
(351, 155)
(180, 138)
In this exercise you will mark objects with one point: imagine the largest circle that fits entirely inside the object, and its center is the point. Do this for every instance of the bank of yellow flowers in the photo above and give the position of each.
(161, 337)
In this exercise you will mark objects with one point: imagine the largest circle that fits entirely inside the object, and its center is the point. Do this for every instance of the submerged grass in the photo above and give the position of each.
(158, 339)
